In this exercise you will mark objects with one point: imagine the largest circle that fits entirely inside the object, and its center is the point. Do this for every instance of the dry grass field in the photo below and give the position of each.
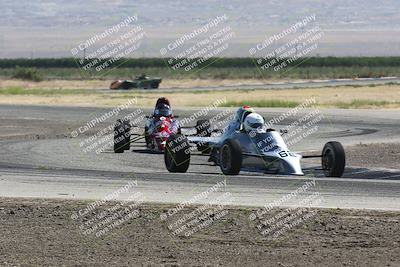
(82, 93)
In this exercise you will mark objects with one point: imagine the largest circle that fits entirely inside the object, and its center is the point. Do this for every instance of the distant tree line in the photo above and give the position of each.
(219, 62)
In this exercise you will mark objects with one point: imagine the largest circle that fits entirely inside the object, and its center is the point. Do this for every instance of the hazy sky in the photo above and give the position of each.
(50, 28)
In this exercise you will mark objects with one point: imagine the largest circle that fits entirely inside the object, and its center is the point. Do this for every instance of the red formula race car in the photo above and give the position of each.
(159, 126)
(158, 131)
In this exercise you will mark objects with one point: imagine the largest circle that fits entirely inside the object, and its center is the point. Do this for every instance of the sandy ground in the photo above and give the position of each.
(325, 97)
(41, 232)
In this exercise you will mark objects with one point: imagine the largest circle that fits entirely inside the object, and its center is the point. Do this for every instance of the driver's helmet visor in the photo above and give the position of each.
(166, 112)
(245, 114)
(256, 125)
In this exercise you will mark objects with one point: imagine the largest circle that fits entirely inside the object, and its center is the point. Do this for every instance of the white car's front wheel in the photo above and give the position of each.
(333, 159)
(230, 157)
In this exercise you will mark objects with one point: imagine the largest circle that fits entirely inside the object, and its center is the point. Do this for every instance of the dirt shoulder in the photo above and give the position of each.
(374, 155)
(379, 155)
(41, 232)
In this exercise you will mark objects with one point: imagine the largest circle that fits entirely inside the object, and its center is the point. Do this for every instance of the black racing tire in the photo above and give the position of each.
(146, 136)
(177, 153)
(119, 139)
(154, 85)
(203, 129)
(333, 159)
(230, 157)
(126, 85)
(127, 135)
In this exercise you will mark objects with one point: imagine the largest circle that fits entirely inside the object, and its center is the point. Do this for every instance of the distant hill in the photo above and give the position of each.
(51, 28)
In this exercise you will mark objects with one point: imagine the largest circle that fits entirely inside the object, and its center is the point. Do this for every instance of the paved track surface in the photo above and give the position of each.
(276, 85)
(40, 159)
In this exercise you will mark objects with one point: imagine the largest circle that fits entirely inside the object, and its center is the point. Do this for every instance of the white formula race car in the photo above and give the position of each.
(237, 149)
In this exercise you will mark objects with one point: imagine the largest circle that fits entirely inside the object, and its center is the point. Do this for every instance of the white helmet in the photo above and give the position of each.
(254, 122)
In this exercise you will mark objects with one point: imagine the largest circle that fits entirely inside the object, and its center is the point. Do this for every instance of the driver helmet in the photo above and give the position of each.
(163, 100)
(242, 113)
(163, 110)
(254, 122)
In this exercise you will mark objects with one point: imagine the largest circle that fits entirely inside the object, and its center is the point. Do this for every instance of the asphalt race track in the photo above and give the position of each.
(275, 86)
(39, 158)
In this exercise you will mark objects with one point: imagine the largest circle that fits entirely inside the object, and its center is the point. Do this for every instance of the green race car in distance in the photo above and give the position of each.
(142, 82)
